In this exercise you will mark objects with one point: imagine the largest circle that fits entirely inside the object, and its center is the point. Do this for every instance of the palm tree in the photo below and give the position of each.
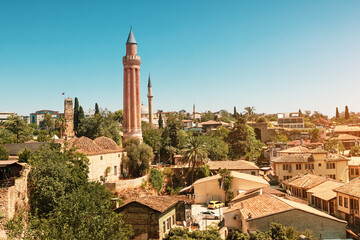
(60, 124)
(249, 111)
(194, 153)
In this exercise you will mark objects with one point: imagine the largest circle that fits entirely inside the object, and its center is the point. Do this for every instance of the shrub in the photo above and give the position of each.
(4, 153)
(156, 179)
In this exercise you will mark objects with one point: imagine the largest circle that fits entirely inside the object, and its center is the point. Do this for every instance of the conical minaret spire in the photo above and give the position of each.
(150, 100)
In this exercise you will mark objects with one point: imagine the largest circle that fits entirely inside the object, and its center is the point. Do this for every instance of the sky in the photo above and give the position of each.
(278, 56)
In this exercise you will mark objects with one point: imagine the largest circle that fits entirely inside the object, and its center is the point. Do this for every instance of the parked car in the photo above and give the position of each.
(215, 204)
(210, 215)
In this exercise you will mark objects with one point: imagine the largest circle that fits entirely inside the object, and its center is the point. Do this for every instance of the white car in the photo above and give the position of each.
(210, 215)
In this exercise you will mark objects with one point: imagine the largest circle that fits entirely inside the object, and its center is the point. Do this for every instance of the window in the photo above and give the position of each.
(319, 164)
(352, 171)
(115, 170)
(101, 157)
(168, 223)
(173, 219)
(164, 226)
(340, 200)
(309, 166)
(253, 173)
(346, 203)
(119, 155)
(330, 165)
(332, 176)
(287, 177)
(298, 166)
(357, 172)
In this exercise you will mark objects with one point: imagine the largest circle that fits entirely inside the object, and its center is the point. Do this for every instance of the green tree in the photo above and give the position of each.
(48, 123)
(315, 135)
(81, 113)
(202, 171)
(160, 121)
(7, 136)
(216, 147)
(337, 115)
(156, 179)
(347, 114)
(235, 115)
(185, 234)
(282, 137)
(207, 116)
(118, 116)
(334, 145)
(355, 151)
(138, 159)
(174, 124)
(76, 114)
(24, 155)
(16, 125)
(4, 153)
(195, 153)
(237, 235)
(225, 183)
(250, 112)
(97, 110)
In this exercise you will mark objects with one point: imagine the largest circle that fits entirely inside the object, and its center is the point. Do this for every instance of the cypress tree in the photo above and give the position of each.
(161, 123)
(81, 114)
(347, 115)
(300, 113)
(235, 112)
(76, 114)
(337, 113)
(97, 111)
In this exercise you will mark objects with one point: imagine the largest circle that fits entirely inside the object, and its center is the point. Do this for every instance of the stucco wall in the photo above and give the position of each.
(321, 227)
(171, 212)
(126, 184)
(99, 164)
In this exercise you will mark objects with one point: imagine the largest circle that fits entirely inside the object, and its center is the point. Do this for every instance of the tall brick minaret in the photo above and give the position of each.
(132, 105)
(150, 101)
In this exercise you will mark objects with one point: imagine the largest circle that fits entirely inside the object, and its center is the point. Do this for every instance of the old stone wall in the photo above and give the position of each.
(14, 198)
(126, 184)
(17, 147)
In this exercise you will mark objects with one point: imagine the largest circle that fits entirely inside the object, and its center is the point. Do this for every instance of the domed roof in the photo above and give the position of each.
(106, 143)
(85, 145)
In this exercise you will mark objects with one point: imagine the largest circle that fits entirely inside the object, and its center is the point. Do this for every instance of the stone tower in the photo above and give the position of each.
(150, 100)
(69, 117)
(132, 105)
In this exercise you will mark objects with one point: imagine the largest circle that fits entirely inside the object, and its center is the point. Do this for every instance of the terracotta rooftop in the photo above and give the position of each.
(344, 137)
(354, 161)
(266, 204)
(233, 165)
(306, 181)
(297, 149)
(351, 188)
(335, 158)
(235, 174)
(299, 158)
(107, 144)
(325, 191)
(257, 191)
(345, 128)
(318, 151)
(211, 122)
(158, 203)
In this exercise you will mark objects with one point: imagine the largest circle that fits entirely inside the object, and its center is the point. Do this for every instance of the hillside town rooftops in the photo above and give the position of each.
(324, 190)
(265, 205)
(336, 158)
(233, 165)
(235, 174)
(300, 158)
(346, 128)
(297, 149)
(354, 161)
(344, 137)
(351, 188)
(306, 181)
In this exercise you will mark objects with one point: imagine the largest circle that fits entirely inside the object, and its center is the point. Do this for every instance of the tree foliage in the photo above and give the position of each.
(337, 115)
(202, 172)
(4, 153)
(195, 153)
(334, 146)
(225, 183)
(160, 121)
(17, 129)
(216, 147)
(185, 234)
(63, 204)
(156, 179)
(24, 155)
(355, 151)
(138, 158)
(76, 114)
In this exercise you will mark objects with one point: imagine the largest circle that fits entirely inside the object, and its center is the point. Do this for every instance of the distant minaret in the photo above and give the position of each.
(150, 100)
(194, 113)
(132, 104)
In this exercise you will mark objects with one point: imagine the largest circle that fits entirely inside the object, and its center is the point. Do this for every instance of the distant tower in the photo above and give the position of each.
(194, 113)
(69, 116)
(132, 105)
(150, 100)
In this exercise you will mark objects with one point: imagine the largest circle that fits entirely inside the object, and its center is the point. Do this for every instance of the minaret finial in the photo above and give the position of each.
(149, 82)
(131, 38)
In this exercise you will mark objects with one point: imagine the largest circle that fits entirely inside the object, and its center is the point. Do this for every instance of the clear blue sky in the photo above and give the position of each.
(278, 56)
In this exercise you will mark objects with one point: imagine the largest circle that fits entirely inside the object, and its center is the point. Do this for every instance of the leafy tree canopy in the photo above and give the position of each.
(156, 179)
(4, 153)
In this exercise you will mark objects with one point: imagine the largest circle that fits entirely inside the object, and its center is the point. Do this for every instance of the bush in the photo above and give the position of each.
(4, 153)
(24, 155)
(156, 179)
